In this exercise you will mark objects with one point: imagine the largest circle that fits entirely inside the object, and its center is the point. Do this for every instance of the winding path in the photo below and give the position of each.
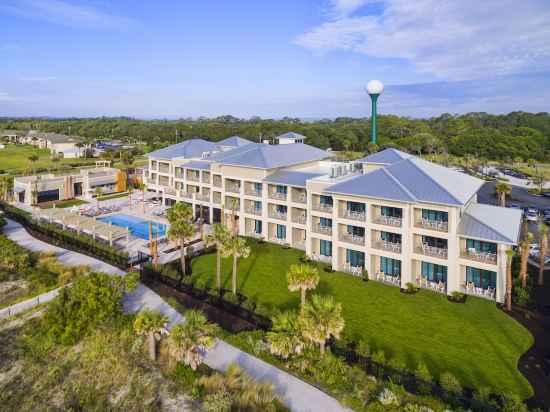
(296, 394)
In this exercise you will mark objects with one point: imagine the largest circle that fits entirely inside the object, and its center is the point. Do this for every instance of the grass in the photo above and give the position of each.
(15, 157)
(476, 341)
(62, 204)
(114, 196)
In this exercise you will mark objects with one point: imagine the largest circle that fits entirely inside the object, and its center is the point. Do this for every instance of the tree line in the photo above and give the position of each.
(495, 137)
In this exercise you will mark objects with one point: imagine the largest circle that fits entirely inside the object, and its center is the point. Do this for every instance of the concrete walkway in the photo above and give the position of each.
(296, 394)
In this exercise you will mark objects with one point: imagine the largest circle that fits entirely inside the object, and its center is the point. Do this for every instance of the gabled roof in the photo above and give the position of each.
(196, 165)
(414, 180)
(385, 157)
(291, 178)
(290, 135)
(493, 223)
(190, 149)
(378, 183)
(234, 141)
(266, 156)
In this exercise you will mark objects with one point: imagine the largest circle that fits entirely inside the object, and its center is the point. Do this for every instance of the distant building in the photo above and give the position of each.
(289, 138)
(59, 144)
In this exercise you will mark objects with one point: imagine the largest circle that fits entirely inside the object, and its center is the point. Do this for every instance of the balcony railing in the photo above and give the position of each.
(432, 251)
(254, 211)
(187, 195)
(350, 238)
(232, 207)
(321, 207)
(323, 230)
(353, 215)
(483, 257)
(277, 215)
(388, 220)
(299, 244)
(217, 182)
(299, 198)
(169, 190)
(205, 179)
(440, 286)
(203, 197)
(354, 270)
(389, 246)
(233, 189)
(471, 289)
(433, 225)
(277, 196)
(253, 192)
(300, 219)
(193, 178)
(321, 258)
(388, 279)
(217, 200)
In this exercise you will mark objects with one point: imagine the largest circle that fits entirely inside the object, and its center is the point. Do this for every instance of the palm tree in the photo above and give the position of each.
(181, 229)
(285, 337)
(244, 392)
(524, 248)
(543, 249)
(302, 278)
(32, 158)
(219, 238)
(236, 247)
(98, 191)
(322, 318)
(191, 339)
(503, 189)
(509, 280)
(130, 190)
(151, 324)
(141, 186)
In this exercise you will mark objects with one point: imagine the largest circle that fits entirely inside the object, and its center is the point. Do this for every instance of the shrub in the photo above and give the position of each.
(411, 287)
(379, 357)
(388, 398)
(186, 376)
(450, 384)
(249, 304)
(365, 275)
(512, 403)
(217, 402)
(522, 296)
(363, 348)
(398, 367)
(200, 284)
(231, 298)
(457, 296)
(423, 378)
(414, 407)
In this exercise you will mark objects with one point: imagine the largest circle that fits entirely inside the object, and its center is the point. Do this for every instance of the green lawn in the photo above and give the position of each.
(65, 203)
(113, 196)
(16, 157)
(475, 341)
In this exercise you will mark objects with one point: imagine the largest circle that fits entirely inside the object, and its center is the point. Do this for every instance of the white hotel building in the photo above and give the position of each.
(401, 218)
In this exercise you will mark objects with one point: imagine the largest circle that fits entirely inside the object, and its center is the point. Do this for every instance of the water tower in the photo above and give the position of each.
(374, 89)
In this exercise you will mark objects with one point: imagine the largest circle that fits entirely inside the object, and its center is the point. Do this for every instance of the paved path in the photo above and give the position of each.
(296, 394)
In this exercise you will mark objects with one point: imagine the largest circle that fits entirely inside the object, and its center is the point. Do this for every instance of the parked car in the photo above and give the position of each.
(532, 217)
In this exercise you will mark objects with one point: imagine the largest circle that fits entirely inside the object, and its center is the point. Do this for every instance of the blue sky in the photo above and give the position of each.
(300, 58)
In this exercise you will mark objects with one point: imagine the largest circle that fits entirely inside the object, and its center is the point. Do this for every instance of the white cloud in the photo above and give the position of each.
(450, 39)
(67, 14)
(37, 78)
(342, 8)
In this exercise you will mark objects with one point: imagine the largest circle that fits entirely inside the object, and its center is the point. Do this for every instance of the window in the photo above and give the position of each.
(390, 267)
(325, 247)
(481, 278)
(280, 209)
(325, 200)
(257, 206)
(434, 242)
(281, 232)
(433, 272)
(355, 207)
(435, 215)
(281, 189)
(481, 246)
(355, 258)
(258, 227)
(391, 211)
(258, 187)
(390, 237)
(356, 231)
(325, 221)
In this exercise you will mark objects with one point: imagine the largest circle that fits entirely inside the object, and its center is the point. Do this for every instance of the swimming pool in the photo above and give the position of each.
(138, 227)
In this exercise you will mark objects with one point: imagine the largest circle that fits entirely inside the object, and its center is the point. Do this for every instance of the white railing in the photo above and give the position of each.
(389, 246)
(320, 207)
(301, 219)
(483, 257)
(388, 220)
(438, 225)
(301, 245)
(324, 230)
(471, 289)
(253, 192)
(277, 215)
(354, 270)
(254, 211)
(440, 286)
(353, 215)
(432, 251)
(389, 279)
(299, 197)
(351, 238)
(321, 258)
(193, 178)
(232, 189)
(203, 197)
(277, 196)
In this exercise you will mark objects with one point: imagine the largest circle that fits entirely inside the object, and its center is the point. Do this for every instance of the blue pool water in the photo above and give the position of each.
(138, 227)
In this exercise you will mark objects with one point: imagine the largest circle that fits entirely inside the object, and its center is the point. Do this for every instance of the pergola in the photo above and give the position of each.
(85, 224)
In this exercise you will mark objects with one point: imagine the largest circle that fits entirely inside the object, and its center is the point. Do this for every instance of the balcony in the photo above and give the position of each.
(169, 190)
(193, 177)
(322, 207)
(187, 195)
(482, 257)
(354, 270)
(440, 287)
(299, 244)
(321, 258)
(471, 289)
(203, 197)
(300, 219)
(387, 246)
(254, 211)
(273, 214)
(353, 215)
(438, 225)
(323, 230)
(432, 251)
(277, 196)
(233, 189)
(388, 221)
(217, 181)
(388, 279)
(253, 192)
(350, 238)
(299, 198)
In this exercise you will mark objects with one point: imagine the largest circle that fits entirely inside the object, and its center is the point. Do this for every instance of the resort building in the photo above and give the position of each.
(399, 217)
(61, 145)
(80, 184)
